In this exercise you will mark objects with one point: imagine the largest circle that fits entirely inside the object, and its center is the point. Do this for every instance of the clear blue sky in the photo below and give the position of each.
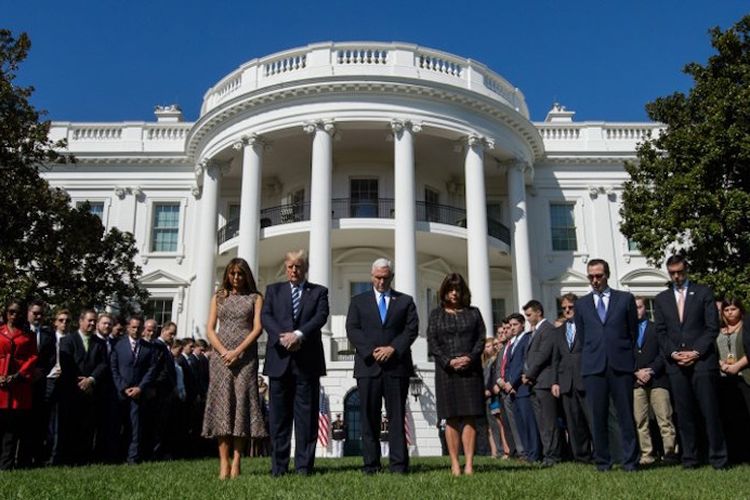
(113, 60)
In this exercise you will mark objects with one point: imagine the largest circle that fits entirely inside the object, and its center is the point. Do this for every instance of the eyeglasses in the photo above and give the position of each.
(595, 276)
(567, 308)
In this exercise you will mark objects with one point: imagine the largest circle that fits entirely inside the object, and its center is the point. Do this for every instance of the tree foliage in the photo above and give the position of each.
(49, 249)
(689, 191)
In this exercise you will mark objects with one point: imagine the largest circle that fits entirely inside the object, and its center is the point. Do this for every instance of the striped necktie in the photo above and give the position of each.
(296, 296)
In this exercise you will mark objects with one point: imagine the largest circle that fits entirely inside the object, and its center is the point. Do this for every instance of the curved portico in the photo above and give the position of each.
(405, 145)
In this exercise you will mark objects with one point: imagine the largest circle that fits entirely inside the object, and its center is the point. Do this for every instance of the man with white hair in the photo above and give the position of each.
(382, 324)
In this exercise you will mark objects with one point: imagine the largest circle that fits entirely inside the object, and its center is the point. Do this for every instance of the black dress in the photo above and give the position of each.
(458, 393)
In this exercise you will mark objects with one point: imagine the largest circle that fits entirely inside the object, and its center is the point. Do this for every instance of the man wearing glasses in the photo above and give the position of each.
(606, 321)
(62, 322)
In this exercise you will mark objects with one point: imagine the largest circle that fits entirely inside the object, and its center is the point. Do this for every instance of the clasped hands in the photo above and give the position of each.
(383, 353)
(6, 380)
(729, 369)
(86, 384)
(460, 363)
(290, 341)
(686, 358)
(643, 376)
(231, 356)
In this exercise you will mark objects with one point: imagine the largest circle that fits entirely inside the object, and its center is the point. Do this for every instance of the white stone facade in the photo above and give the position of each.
(356, 151)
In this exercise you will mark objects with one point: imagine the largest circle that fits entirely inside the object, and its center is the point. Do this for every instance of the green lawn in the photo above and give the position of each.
(341, 479)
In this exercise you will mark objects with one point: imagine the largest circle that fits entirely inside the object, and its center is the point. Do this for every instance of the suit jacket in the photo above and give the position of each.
(697, 331)
(607, 343)
(650, 356)
(76, 362)
(539, 356)
(278, 317)
(133, 370)
(189, 378)
(514, 368)
(166, 375)
(366, 331)
(566, 362)
(47, 354)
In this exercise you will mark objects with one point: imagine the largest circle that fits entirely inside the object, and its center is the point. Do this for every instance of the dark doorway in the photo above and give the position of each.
(353, 443)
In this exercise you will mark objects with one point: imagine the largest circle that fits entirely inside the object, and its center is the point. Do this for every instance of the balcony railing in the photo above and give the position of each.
(381, 208)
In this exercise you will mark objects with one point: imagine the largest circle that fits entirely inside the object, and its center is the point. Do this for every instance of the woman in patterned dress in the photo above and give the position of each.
(455, 334)
(233, 411)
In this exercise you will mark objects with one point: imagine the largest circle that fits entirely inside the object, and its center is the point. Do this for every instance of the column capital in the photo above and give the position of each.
(325, 125)
(521, 164)
(398, 125)
(195, 190)
(250, 140)
(120, 192)
(206, 164)
(476, 140)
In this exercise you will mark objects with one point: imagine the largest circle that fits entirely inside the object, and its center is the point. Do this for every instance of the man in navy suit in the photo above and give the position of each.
(687, 324)
(523, 410)
(651, 390)
(294, 312)
(134, 363)
(382, 324)
(83, 361)
(606, 321)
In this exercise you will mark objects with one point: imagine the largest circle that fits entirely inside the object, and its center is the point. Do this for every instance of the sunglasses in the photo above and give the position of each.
(567, 308)
(595, 276)
(13, 311)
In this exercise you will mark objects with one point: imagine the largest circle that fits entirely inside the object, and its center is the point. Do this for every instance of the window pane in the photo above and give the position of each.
(562, 226)
(364, 197)
(95, 207)
(498, 313)
(160, 310)
(166, 225)
(633, 246)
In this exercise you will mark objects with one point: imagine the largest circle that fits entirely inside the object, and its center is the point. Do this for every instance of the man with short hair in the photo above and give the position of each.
(538, 374)
(159, 398)
(294, 313)
(687, 325)
(134, 363)
(149, 330)
(515, 328)
(83, 359)
(651, 390)
(607, 322)
(382, 324)
(568, 383)
(107, 405)
(54, 435)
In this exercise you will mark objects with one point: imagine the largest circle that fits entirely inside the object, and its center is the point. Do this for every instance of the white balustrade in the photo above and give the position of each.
(362, 56)
(285, 65)
(560, 133)
(440, 65)
(96, 133)
(171, 133)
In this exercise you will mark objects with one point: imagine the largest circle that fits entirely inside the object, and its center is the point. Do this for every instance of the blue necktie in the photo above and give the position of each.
(570, 333)
(382, 308)
(296, 295)
(601, 308)
(641, 333)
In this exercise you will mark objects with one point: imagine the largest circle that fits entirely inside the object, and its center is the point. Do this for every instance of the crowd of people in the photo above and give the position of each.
(604, 383)
(601, 384)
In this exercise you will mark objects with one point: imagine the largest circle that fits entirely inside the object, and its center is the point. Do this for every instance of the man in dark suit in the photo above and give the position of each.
(83, 360)
(382, 324)
(651, 391)
(523, 409)
(539, 375)
(607, 322)
(294, 312)
(108, 423)
(687, 325)
(31, 446)
(568, 382)
(54, 394)
(157, 405)
(134, 363)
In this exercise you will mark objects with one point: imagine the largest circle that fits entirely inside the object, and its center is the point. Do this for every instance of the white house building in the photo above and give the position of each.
(356, 151)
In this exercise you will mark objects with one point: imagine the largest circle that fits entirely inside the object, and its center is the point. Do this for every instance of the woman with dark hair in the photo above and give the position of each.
(233, 413)
(17, 360)
(734, 384)
(455, 334)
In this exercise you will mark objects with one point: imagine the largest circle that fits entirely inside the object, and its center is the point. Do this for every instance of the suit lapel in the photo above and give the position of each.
(304, 299)
(80, 352)
(391, 306)
(689, 294)
(613, 300)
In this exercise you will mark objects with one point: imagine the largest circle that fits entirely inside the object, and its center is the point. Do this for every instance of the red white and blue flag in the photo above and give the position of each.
(324, 421)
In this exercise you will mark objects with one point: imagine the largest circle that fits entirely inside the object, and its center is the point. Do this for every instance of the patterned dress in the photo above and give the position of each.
(232, 404)
(458, 393)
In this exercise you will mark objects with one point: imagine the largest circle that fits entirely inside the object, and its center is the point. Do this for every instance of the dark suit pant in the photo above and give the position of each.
(31, 448)
(12, 424)
(77, 427)
(545, 411)
(372, 390)
(619, 387)
(293, 399)
(526, 421)
(133, 413)
(511, 414)
(578, 423)
(693, 391)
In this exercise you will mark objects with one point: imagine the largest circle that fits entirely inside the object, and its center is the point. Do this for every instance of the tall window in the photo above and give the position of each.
(234, 212)
(498, 313)
(432, 205)
(95, 207)
(160, 310)
(166, 225)
(364, 197)
(563, 226)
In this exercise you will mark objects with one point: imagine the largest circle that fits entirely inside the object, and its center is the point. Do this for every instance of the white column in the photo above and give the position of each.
(205, 256)
(476, 228)
(520, 249)
(405, 205)
(252, 164)
(320, 201)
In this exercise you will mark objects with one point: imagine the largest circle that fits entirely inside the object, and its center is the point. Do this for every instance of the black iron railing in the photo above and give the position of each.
(381, 208)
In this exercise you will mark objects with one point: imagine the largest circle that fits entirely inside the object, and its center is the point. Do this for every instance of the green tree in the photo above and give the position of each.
(49, 249)
(689, 191)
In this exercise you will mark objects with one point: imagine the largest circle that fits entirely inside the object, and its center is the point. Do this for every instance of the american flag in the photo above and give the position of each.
(324, 421)
(407, 427)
